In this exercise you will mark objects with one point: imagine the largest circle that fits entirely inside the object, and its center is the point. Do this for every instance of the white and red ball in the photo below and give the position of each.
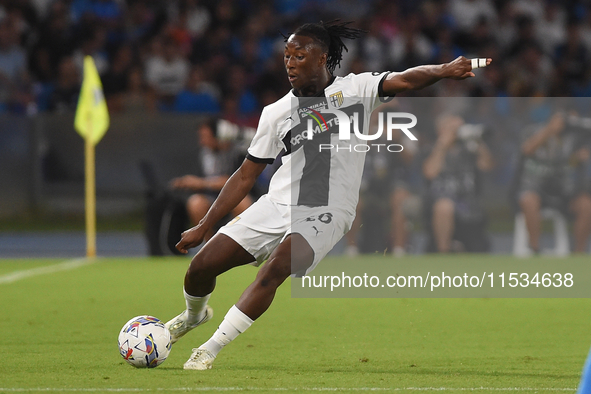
(144, 342)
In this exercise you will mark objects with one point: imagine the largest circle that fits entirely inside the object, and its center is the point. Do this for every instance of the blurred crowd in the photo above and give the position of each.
(223, 57)
(441, 182)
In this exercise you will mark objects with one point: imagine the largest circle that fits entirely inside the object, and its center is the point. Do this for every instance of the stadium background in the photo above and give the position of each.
(224, 58)
(59, 319)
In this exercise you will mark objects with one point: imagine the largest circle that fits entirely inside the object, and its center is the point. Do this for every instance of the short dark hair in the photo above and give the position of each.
(329, 35)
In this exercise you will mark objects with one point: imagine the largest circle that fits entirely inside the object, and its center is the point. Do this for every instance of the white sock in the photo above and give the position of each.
(235, 323)
(195, 307)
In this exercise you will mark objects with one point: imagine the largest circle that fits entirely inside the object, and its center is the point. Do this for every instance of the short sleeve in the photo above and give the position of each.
(370, 85)
(265, 145)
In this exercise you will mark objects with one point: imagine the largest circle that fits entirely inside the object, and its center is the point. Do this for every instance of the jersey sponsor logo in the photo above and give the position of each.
(316, 120)
(345, 120)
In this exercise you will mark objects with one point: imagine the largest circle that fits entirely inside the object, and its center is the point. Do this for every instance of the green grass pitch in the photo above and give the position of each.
(59, 330)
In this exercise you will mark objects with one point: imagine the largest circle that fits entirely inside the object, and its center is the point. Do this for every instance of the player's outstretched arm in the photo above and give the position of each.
(422, 76)
(234, 191)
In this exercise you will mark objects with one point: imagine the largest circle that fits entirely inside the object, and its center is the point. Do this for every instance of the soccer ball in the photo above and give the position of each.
(144, 342)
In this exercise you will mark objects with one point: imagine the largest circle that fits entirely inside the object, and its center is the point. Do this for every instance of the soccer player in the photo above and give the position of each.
(312, 196)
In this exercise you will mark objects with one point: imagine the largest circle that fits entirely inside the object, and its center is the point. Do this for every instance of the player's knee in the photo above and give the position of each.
(275, 271)
(200, 268)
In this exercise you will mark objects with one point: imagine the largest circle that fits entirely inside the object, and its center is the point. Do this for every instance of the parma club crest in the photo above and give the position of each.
(336, 99)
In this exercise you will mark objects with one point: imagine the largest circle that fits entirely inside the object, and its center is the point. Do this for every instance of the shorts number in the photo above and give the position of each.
(323, 218)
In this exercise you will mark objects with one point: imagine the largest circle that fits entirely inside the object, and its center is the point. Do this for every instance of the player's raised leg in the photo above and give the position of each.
(220, 254)
(256, 299)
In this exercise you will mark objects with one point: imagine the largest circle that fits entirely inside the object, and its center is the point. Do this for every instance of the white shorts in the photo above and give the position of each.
(265, 224)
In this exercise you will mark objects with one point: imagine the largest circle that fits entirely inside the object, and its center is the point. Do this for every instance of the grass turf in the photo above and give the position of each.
(59, 332)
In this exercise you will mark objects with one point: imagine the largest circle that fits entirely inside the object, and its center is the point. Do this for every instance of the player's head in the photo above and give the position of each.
(314, 49)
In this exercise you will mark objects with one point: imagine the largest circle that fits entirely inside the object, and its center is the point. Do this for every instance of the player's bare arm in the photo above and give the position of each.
(422, 76)
(234, 191)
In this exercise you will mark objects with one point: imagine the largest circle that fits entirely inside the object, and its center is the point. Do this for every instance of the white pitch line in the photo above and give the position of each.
(105, 389)
(49, 269)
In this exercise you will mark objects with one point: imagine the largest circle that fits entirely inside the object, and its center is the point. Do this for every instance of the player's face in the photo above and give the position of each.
(304, 61)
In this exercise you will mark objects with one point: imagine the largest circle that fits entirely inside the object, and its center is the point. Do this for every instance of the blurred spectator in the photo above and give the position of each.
(506, 29)
(231, 112)
(55, 41)
(479, 37)
(529, 73)
(136, 98)
(539, 46)
(220, 156)
(221, 149)
(116, 79)
(198, 17)
(525, 36)
(199, 95)
(468, 13)
(227, 13)
(107, 12)
(410, 48)
(384, 196)
(453, 168)
(140, 21)
(237, 86)
(64, 94)
(166, 70)
(14, 79)
(445, 46)
(373, 48)
(217, 44)
(93, 45)
(551, 29)
(572, 57)
(533, 9)
(387, 19)
(178, 30)
(553, 155)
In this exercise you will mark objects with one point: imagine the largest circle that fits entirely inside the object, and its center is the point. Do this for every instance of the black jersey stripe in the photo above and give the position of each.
(259, 160)
(381, 94)
(315, 181)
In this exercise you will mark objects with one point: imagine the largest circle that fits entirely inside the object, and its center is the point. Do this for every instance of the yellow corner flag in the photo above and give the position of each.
(92, 115)
(91, 122)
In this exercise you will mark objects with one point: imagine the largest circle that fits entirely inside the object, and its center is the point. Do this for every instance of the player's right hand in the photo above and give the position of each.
(190, 239)
(461, 68)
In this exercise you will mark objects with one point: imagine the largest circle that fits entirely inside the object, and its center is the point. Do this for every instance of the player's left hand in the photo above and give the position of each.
(461, 67)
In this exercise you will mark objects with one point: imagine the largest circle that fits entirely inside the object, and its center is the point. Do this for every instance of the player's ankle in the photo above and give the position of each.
(235, 323)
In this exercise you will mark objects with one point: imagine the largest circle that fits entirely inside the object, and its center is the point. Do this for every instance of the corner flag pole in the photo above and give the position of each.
(91, 122)
(90, 195)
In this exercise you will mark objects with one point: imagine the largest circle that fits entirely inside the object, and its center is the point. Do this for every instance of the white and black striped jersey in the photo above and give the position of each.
(324, 170)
